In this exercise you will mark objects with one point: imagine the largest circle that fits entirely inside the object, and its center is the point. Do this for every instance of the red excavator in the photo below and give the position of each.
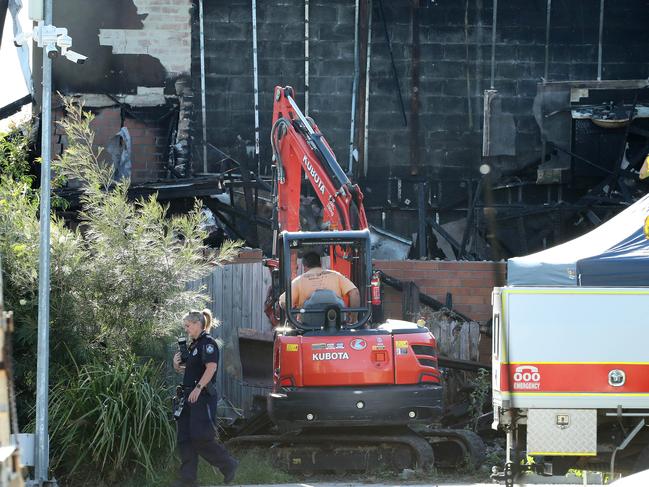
(347, 392)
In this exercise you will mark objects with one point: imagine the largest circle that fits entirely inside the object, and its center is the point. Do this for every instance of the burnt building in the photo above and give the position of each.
(490, 128)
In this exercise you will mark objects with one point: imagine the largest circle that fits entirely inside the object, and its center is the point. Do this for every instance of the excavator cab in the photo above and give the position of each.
(324, 310)
(330, 367)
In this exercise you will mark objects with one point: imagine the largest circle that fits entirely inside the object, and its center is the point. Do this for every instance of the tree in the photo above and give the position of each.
(119, 286)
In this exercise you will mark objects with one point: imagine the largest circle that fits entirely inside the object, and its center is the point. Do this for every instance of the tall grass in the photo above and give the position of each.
(109, 420)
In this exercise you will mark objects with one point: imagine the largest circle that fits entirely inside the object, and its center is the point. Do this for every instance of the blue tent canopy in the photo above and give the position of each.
(614, 254)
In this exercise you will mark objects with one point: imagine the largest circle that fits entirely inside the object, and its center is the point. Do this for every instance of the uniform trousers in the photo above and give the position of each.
(197, 435)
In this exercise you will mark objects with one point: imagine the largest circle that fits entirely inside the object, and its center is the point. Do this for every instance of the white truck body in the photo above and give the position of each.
(568, 362)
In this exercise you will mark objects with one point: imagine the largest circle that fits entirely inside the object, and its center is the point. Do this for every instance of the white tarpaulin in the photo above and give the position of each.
(614, 254)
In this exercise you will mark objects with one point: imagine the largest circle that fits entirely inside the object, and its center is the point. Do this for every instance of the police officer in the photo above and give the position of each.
(196, 433)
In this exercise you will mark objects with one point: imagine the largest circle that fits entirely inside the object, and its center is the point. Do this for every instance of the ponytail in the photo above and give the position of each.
(203, 317)
(207, 319)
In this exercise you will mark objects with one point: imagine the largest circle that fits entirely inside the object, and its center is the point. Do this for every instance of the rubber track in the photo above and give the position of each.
(472, 445)
(422, 450)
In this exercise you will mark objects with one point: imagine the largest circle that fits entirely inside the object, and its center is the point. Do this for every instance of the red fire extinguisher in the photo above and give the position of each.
(375, 284)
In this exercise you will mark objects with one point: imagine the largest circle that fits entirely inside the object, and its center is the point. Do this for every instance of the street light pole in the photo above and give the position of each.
(42, 455)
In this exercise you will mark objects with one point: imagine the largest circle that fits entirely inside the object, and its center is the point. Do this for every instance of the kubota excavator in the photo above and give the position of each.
(347, 393)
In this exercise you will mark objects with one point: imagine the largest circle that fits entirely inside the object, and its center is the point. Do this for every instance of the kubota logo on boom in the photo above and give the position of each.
(527, 377)
(314, 175)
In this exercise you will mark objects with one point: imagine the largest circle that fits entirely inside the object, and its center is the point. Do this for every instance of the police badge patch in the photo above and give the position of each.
(195, 352)
(209, 348)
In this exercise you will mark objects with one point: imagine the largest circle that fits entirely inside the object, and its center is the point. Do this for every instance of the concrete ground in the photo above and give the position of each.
(444, 484)
(535, 480)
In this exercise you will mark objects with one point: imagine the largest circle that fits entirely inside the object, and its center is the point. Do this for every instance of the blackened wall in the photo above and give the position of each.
(130, 45)
(455, 50)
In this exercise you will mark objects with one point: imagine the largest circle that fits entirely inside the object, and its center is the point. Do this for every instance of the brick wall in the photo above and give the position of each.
(165, 34)
(148, 141)
(470, 283)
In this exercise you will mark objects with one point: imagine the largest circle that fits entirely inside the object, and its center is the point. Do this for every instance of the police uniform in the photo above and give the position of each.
(197, 433)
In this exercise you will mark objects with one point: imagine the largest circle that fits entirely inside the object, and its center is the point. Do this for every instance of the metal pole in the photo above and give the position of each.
(493, 42)
(394, 68)
(421, 207)
(203, 104)
(548, 11)
(414, 90)
(601, 34)
(42, 365)
(255, 82)
(548, 15)
(350, 166)
(366, 126)
(469, 103)
(306, 57)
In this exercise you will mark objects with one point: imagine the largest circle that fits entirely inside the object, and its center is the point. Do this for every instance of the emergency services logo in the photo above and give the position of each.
(527, 377)
(209, 348)
(358, 344)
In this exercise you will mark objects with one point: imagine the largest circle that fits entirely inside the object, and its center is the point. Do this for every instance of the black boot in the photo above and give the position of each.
(228, 473)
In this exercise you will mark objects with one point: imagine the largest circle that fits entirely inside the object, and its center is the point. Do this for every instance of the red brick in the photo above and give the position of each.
(472, 299)
(474, 283)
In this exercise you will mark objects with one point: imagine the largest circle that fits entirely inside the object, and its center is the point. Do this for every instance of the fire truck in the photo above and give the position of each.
(570, 361)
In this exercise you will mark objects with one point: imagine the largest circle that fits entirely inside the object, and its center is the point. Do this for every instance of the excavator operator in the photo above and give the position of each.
(315, 278)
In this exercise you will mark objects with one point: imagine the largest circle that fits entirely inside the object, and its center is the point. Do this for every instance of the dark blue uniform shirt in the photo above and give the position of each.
(202, 351)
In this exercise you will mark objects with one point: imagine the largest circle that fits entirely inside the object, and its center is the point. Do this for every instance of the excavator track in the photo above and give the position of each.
(336, 449)
(348, 450)
(455, 448)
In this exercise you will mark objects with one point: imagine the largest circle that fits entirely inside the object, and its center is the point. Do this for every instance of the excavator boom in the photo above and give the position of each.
(299, 148)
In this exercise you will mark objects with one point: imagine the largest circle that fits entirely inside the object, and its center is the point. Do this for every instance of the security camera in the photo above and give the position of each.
(64, 41)
(75, 57)
(52, 51)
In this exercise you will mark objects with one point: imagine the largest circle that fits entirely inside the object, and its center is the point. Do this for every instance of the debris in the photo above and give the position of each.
(406, 474)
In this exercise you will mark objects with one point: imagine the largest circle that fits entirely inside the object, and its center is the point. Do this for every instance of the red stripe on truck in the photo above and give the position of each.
(575, 377)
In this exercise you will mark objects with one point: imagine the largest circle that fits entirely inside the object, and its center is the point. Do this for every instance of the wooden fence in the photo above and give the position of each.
(237, 293)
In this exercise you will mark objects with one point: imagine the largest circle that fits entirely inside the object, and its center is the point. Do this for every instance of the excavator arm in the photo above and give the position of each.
(300, 148)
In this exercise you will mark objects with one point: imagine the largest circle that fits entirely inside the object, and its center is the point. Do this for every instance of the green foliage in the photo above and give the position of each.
(480, 393)
(141, 261)
(118, 290)
(255, 467)
(14, 153)
(19, 247)
(113, 417)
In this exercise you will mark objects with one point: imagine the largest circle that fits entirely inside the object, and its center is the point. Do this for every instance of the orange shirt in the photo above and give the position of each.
(317, 278)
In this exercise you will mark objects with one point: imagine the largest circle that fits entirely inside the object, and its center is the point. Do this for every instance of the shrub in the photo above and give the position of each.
(113, 417)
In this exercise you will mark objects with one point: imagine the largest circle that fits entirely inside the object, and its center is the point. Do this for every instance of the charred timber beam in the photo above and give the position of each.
(470, 214)
(14, 107)
(470, 365)
(577, 156)
(423, 298)
(447, 236)
(214, 204)
(251, 207)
